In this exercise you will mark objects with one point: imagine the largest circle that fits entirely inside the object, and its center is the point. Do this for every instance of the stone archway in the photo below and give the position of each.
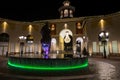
(4, 44)
(79, 44)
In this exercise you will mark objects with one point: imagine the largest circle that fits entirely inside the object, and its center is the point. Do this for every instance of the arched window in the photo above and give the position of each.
(71, 13)
(53, 29)
(4, 37)
(66, 13)
(79, 29)
(61, 14)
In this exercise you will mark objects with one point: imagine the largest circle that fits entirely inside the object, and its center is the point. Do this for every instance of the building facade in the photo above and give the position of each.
(66, 32)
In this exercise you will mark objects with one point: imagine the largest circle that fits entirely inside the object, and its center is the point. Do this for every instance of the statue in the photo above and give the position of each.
(46, 40)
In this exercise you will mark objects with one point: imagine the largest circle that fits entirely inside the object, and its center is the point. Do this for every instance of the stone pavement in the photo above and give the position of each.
(100, 69)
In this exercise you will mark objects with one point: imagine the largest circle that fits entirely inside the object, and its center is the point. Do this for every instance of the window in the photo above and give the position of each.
(53, 29)
(114, 47)
(71, 13)
(94, 47)
(61, 14)
(79, 29)
(66, 13)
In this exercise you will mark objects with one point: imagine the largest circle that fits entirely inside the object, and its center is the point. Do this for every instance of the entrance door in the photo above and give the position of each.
(62, 39)
(79, 44)
(30, 48)
(3, 50)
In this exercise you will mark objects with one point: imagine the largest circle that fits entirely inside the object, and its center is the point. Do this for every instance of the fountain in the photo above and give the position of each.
(45, 63)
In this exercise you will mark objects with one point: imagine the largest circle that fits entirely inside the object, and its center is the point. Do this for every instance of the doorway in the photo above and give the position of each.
(3, 50)
(79, 44)
(65, 39)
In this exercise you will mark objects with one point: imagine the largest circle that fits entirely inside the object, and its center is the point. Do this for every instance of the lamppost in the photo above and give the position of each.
(22, 39)
(103, 37)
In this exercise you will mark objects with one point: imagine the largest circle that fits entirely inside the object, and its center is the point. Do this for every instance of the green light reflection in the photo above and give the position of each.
(46, 67)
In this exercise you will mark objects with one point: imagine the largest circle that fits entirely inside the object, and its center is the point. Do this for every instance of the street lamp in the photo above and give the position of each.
(103, 37)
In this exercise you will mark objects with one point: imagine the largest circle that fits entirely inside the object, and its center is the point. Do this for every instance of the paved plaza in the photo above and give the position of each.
(99, 69)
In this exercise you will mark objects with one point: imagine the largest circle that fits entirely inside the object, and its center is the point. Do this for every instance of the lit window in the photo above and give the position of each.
(65, 13)
(52, 27)
(61, 14)
(71, 13)
(79, 25)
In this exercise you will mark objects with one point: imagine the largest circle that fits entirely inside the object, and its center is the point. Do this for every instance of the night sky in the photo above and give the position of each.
(32, 10)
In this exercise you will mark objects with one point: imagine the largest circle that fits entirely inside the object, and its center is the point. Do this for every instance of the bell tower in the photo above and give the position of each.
(66, 11)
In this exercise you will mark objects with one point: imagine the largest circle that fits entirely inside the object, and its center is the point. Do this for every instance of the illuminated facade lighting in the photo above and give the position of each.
(30, 29)
(4, 26)
(102, 22)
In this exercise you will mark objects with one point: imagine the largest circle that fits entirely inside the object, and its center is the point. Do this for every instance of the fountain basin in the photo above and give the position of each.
(30, 63)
